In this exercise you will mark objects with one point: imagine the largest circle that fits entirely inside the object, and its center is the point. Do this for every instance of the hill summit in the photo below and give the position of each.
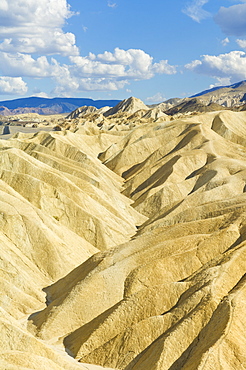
(130, 105)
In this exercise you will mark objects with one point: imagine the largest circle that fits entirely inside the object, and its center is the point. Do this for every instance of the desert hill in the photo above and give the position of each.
(130, 105)
(167, 104)
(228, 96)
(127, 114)
(193, 105)
(231, 96)
(123, 242)
(215, 99)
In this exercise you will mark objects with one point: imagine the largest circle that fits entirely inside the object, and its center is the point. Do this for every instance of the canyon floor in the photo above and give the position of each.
(123, 243)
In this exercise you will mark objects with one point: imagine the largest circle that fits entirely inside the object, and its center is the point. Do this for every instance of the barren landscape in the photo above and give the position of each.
(123, 240)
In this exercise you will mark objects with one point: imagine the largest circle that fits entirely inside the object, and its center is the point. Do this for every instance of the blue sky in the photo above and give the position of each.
(113, 49)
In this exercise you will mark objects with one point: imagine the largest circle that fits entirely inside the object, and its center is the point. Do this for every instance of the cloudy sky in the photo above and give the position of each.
(104, 49)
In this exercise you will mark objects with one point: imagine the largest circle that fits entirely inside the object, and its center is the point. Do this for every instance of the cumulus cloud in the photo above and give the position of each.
(24, 65)
(122, 64)
(231, 66)
(107, 71)
(241, 43)
(38, 93)
(163, 68)
(28, 26)
(225, 41)
(66, 87)
(10, 85)
(158, 97)
(223, 81)
(195, 11)
(232, 20)
(31, 33)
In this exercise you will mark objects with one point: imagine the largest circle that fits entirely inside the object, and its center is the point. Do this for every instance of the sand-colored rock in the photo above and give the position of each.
(81, 112)
(194, 105)
(125, 116)
(134, 261)
(130, 106)
(228, 96)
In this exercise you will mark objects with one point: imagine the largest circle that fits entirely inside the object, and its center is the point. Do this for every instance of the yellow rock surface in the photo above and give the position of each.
(134, 261)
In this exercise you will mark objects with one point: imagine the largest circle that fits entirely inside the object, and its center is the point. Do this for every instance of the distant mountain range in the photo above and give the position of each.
(227, 96)
(218, 98)
(231, 87)
(50, 106)
(231, 96)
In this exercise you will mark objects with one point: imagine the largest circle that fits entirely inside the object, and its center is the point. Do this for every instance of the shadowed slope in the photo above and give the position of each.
(153, 302)
(168, 295)
(56, 211)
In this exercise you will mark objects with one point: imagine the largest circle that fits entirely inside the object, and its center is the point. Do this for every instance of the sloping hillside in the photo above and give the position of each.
(126, 248)
(228, 96)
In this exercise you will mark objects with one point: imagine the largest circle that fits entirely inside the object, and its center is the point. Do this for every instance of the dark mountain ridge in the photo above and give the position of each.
(54, 105)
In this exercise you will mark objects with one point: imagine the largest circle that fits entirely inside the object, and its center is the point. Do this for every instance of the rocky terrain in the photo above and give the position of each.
(228, 96)
(225, 96)
(194, 105)
(123, 241)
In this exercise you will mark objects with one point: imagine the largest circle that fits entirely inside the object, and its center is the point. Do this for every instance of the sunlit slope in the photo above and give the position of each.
(73, 187)
(59, 206)
(134, 261)
(173, 296)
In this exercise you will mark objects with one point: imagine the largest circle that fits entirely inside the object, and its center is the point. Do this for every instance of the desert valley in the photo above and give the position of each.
(123, 236)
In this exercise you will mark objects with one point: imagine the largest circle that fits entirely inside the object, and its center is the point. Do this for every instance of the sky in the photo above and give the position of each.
(113, 49)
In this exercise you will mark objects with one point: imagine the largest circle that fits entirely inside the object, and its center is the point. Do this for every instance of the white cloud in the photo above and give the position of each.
(193, 65)
(37, 92)
(163, 68)
(194, 10)
(24, 65)
(112, 5)
(10, 85)
(230, 66)
(29, 26)
(158, 97)
(127, 64)
(86, 67)
(66, 87)
(225, 41)
(41, 95)
(221, 81)
(232, 20)
(241, 43)
(107, 71)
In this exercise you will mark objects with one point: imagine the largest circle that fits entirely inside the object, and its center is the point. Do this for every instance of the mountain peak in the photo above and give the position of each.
(130, 105)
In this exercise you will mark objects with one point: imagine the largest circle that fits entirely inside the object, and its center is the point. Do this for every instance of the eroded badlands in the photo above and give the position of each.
(123, 245)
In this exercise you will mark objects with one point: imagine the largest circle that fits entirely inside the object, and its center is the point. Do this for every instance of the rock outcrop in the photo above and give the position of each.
(130, 106)
(227, 96)
(194, 105)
